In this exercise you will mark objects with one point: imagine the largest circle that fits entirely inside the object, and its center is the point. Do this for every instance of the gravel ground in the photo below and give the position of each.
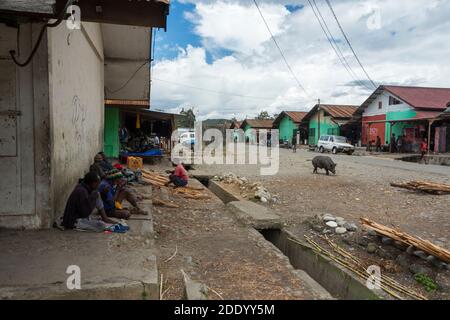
(210, 245)
(361, 188)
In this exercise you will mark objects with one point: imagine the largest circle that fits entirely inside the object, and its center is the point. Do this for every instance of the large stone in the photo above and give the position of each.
(341, 223)
(328, 217)
(404, 260)
(400, 245)
(350, 227)
(372, 248)
(363, 241)
(443, 281)
(417, 268)
(387, 241)
(340, 230)
(421, 254)
(332, 224)
(410, 250)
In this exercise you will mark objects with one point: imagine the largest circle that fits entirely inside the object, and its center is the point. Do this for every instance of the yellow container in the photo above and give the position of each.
(135, 163)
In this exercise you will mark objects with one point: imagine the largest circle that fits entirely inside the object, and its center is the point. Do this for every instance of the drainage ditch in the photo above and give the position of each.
(339, 282)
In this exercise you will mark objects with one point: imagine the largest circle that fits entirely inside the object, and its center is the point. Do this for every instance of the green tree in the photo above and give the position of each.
(264, 115)
(188, 120)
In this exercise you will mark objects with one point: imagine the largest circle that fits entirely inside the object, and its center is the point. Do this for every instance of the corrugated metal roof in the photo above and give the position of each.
(258, 124)
(296, 116)
(236, 125)
(417, 97)
(335, 110)
(339, 111)
(421, 97)
(425, 115)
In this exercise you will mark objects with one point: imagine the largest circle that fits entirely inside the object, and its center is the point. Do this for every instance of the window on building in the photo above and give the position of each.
(333, 131)
(380, 104)
(394, 101)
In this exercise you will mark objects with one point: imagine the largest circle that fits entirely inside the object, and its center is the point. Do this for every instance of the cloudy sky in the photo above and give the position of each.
(218, 56)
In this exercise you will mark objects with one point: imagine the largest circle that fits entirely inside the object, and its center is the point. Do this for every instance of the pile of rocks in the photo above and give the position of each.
(338, 224)
(248, 190)
(372, 247)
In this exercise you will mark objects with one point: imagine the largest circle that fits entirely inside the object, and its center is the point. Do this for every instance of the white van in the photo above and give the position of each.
(335, 144)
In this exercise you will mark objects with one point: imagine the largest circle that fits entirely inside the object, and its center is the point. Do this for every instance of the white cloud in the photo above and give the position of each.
(411, 47)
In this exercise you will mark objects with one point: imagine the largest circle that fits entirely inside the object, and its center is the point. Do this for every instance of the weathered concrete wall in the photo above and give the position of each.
(76, 91)
(25, 170)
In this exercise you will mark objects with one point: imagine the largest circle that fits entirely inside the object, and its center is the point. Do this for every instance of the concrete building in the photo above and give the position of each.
(127, 113)
(403, 111)
(288, 124)
(52, 109)
(327, 119)
(252, 136)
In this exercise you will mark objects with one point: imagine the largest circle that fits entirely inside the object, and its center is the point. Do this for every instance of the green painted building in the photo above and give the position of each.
(255, 124)
(112, 123)
(410, 112)
(326, 119)
(151, 123)
(288, 124)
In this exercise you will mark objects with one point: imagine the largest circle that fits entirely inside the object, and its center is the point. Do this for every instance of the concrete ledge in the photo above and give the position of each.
(221, 192)
(34, 265)
(319, 291)
(142, 225)
(194, 290)
(255, 215)
(113, 289)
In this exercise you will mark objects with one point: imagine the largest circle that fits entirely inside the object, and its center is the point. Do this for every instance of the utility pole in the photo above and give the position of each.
(318, 121)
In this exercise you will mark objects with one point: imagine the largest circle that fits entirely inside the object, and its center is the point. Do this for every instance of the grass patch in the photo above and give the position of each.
(426, 282)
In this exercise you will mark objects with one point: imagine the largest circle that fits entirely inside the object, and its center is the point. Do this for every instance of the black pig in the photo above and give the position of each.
(323, 162)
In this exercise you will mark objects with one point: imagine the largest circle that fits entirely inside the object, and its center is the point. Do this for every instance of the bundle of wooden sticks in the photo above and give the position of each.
(422, 186)
(160, 181)
(154, 178)
(401, 236)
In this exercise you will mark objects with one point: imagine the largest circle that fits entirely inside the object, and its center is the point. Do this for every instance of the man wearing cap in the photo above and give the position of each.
(97, 166)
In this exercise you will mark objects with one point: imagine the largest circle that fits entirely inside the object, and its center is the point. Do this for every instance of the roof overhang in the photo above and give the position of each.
(148, 13)
(127, 57)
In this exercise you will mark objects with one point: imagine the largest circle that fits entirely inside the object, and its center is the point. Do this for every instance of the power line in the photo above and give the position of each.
(215, 91)
(348, 42)
(334, 45)
(279, 49)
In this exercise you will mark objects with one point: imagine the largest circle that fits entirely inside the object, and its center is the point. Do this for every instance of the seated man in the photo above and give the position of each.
(179, 177)
(105, 164)
(113, 192)
(97, 166)
(82, 202)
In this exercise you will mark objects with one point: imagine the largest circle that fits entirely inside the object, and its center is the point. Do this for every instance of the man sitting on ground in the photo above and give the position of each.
(82, 202)
(105, 164)
(97, 166)
(179, 177)
(113, 193)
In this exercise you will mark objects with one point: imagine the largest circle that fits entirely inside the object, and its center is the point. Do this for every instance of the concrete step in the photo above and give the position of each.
(254, 215)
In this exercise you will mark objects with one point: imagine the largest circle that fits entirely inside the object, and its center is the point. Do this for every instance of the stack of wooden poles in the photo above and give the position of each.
(422, 186)
(158, 180)
(154, 178)
(409, 240)
(352, 263)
